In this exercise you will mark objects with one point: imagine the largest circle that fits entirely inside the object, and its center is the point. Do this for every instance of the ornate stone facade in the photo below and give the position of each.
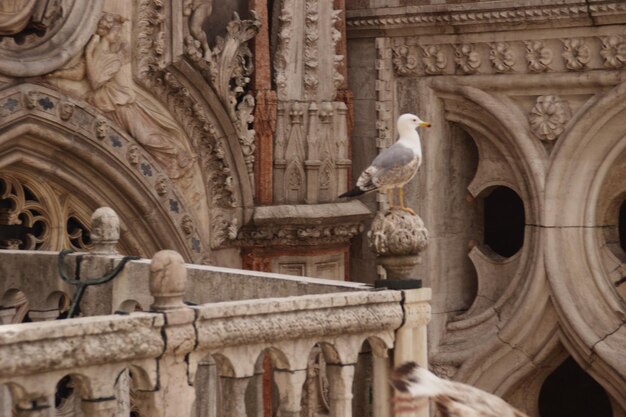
(524, 98)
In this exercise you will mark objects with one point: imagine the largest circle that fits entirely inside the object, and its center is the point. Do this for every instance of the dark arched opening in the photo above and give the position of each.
(571, 392)
(504, 221)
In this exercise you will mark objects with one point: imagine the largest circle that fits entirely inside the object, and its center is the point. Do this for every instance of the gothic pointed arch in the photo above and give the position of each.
(587, 176)
(80, 161)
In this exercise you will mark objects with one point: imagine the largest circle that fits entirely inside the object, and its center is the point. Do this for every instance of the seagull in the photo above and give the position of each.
(396, 165)
(452, 399)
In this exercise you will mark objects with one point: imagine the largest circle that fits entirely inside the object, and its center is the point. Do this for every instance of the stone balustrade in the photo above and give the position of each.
(210, 342)
(203, 360)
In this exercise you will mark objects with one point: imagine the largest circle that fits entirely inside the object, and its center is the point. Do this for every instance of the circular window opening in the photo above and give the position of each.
(571, 392)
(504, 221)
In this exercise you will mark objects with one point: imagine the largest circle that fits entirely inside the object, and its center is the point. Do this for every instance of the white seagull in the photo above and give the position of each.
(396, 165)
(417, 385)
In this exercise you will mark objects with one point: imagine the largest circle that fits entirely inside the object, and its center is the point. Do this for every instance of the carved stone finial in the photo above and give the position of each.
(105, 231)
(168, 280)
(397, 237)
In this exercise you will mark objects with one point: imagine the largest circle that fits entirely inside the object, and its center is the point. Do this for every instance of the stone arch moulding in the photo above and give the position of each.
(69, 143)
(205, 96)
(66, 37)
(590, 309)
(500, 134)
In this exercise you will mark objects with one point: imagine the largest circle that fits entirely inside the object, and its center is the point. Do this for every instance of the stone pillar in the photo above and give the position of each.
(105, 234)
(340, 379)
(206, 390)
(234, 396)
(168, 280)
(411, 343)
(106, 407)
(382, 388)
(312, 163)
(290, 384)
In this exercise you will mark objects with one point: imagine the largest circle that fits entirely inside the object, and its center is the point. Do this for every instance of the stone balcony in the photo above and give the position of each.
(189, 340)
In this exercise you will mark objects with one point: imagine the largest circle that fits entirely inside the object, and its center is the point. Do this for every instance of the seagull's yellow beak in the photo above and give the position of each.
(424, 124)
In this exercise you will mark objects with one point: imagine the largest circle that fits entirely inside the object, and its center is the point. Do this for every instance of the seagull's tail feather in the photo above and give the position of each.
(356, 191)
(416, 381)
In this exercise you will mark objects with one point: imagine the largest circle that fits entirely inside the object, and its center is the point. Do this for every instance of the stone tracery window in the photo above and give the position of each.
(34, 216)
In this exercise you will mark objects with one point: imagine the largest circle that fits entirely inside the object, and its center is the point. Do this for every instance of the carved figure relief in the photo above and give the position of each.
(109, 87)
(16, 15)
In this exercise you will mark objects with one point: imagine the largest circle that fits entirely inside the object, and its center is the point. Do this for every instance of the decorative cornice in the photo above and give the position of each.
(309, 225)
(460, 15)
(515, 56)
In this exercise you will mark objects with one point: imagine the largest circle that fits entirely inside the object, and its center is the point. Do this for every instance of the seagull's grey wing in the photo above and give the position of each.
(396, 165)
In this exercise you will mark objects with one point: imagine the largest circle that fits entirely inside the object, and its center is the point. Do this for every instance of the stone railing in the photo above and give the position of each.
(222, 358)
(190, 340)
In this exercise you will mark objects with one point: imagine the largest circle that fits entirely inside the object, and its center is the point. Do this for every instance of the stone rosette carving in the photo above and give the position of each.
(434, 59)
(467, 59)
(397, 233)
(501, 57)
(576, 54)
(548, 117)
(538, 56)
(311, 49)
(613, 51)
(404, 60)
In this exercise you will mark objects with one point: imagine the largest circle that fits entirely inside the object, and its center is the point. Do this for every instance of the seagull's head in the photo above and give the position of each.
(408, 123)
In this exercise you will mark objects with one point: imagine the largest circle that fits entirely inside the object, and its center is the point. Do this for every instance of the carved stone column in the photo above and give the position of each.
(290, 384)
(340, 379)
(234, 398)
(381, 387)
(411, 341)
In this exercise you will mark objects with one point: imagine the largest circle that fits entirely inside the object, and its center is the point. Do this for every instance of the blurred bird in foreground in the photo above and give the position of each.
(396, 165)
(417, 385)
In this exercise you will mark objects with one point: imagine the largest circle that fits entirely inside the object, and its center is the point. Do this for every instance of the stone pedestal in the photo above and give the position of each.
(398, 237)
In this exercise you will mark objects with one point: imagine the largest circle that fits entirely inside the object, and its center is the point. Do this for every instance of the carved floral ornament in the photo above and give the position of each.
(548, 117)
(574, 54)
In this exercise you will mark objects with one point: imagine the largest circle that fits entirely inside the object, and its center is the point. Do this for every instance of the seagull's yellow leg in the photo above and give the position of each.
(402, 206)
(390, 197)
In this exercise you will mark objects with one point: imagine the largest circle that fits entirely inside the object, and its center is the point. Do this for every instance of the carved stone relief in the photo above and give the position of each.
(38, 37)
(48, 107)
(548, 117)
(541, 56)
